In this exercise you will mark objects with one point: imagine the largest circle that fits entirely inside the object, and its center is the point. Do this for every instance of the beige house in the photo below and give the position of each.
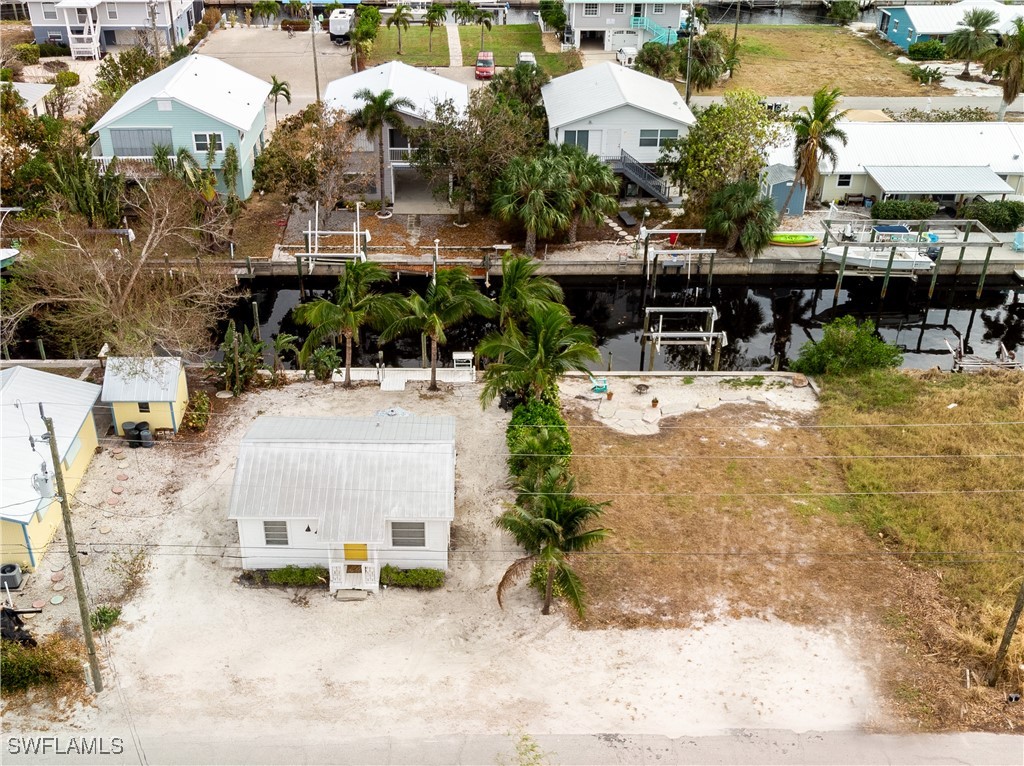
(150, 389)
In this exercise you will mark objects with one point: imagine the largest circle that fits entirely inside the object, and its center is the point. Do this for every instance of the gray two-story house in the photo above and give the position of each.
(610, 26)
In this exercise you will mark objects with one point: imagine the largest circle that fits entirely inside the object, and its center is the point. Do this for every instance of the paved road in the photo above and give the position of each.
(898, 104)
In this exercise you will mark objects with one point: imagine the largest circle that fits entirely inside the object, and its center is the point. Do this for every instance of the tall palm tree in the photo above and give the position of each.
(295, 8)
(1008, 60)
(522, 291)
(267, 9)
(436, 16)
(550, 523)
(400, 19)
(483, 18)
(279, 89)
(379, 111)
(463, 11)
(353, 305)
(590, 187)
(817, 131)
(532, 191)
(707, 60)
(535, 357)
(450, 298)
(741, 214)
(972, 38)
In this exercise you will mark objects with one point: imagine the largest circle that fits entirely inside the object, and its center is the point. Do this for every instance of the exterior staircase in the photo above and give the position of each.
(661, 34)
(636, 172)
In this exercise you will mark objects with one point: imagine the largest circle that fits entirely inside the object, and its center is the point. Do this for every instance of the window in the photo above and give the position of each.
(50, 11)
(72, 453)
(845, 180)
(580, 138)
(659, 8)
(883, 25)
(163, 105)
(620, 7)
(590, 9)
(657, 137)
(139, 142)
(910, 35)
(409, 534)
(203, 141)
(896, 25)
(112, 11)
(275, 532)
(143, 406)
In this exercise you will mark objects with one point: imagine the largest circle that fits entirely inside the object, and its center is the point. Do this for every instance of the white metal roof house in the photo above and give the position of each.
(151, 389)
(945, 160)
(31, 513)
(351, 494)
(619, 114)
(424, 89)
(34, 95)
(89, 27)
(196, 103)
(610, 26)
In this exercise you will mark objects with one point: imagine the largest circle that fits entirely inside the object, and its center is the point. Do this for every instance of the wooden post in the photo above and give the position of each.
(711, 268)
(718, 354)
(935, 273)
(42, 349)
(248, 265)
(654, 277)
(74, 348)
(234, 351)
(984, 272)
(298, 268)
(1011, 626)
(650, 359)
(960, 260)
(643, 338)
(256, 319)
(647, 267)
(888, 272)
(842, 270)
(609, 361)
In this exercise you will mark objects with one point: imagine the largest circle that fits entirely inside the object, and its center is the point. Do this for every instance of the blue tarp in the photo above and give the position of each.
(892, 229)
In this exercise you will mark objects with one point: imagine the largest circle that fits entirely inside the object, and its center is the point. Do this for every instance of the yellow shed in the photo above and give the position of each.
(151, 389)
(31, 512)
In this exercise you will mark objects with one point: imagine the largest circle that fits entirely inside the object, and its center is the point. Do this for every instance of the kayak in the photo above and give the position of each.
(8, 256)
(795, 239)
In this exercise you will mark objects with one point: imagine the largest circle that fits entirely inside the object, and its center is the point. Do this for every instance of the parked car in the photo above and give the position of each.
(484, 65)
(525, 57)
(626, 56)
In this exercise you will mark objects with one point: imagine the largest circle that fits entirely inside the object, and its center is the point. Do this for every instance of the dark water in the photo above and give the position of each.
(761, 321)
(721, 14)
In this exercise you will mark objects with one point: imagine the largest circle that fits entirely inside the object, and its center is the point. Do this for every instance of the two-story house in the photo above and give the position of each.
(89, 27)
(199, 104)
(610, 26)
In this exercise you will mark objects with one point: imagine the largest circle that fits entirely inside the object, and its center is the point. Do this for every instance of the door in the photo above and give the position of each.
(613, 142)
(356, 555)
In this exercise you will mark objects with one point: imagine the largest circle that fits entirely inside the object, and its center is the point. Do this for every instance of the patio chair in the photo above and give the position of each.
(598, 385)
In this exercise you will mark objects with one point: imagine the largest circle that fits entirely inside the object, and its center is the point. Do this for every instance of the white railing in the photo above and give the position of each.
(367, 578)
(133, 166)
(400, 154)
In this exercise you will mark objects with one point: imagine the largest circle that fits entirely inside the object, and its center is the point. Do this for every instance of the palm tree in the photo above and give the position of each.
(590, 187)
(817, 131)
(400, 19)
(707, 61)
(1008, 60)
(295, 8)
(283, 343)
(380, 110)
(463, 12)
(353, 305)
(532, 191)
(550, 524)
(537, 356)
(483, 18)
(436, 16)
(267, 9)
(740, 213)
(450, 298)
(279, 89)
(972, 38)
(522, 291)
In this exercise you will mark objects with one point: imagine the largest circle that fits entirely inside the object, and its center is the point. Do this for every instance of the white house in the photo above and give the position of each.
(947, 161)
(424, 89)
(621, 115)
(34, 95)
(90, 26)
(350, 494)
(610, 26)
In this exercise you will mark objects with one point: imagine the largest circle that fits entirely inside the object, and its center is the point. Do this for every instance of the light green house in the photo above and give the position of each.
(197, 104)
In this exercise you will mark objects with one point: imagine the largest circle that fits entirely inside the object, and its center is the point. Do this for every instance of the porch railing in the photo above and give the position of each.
(138, 167)
(400, 154)
(635, 171)
(367, 578)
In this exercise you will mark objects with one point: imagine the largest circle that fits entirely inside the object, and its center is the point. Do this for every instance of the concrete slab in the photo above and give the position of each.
(708, 402)
(628, 414)
(652, 415)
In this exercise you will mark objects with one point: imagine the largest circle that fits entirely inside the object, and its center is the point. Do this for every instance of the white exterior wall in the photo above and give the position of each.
(617, 25)
(619, 129)
(862, 183)
(131, 22)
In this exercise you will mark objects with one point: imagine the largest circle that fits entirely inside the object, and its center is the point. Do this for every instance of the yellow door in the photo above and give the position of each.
(356, 552)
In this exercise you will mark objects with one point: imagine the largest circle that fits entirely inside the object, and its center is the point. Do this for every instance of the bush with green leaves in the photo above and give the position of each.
(926, 74)
(959, 114)
(53, 50)
(904, 209)
(553, 14)
(295, 25)
(292, 575)
(6, 74)
(239, 369)
(322, 362)
(53, 661)
(527, 420)
(844, 11)
(927, 50)
(421, 578)
(104, 617)
(66, 79)
(846, 348)
(27, 53)
(197, 414)
(1004, 215)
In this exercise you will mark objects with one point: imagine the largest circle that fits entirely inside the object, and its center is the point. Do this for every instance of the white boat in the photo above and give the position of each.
(905, 260)
(417, 8)
(8, 255)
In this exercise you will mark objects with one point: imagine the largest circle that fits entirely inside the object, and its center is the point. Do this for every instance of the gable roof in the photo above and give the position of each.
(67, 401)
(141, 379)
(351, 474)
(203, 83)
(32, 92)
(424, 89)
(943, 19)
(779, 173)
(593, 90)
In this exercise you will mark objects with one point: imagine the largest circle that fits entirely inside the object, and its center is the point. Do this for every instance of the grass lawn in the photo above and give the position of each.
(507, 41)
(415, 44)
(797, 60)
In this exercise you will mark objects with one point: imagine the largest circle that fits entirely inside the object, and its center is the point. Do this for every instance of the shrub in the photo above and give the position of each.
(178, 52)
(211, 17)
(6, 74)
(927, 50)
(322, 362)
(66, 79)
(197, 414)
(422, 578)
(900, 209)
(846, 347)
(844, 11)
(27, 53)
(104, 618)
(53, 661)
(295, 25)
(199, 33)
(525, 420)
(925, 74)
(299, 576)
(1005, 215)
(53, 50)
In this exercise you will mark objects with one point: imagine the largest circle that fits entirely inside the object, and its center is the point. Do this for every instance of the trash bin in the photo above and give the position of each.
(131, 433)
(146, 438)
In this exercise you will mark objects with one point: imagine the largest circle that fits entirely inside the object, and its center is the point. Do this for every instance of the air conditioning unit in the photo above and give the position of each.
(10, 576)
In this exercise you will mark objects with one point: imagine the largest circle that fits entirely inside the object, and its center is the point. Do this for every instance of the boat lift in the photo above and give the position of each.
(693, 257)
(313, 253)
(712, 341)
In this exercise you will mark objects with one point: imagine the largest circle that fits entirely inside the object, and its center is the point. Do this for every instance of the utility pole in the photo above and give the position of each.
(1004, 645)
(735, 31)
(76, 566)
(689, 50)
(156, 35)
(312, 36)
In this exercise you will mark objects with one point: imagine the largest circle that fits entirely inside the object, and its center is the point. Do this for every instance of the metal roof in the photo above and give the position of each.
(424, 89)
(141, 379)
(352, 474)
(591, 91)
(67, 401)
(203, 83)
(943, 19)
(901, 179)
(779, 173)
(32, 92)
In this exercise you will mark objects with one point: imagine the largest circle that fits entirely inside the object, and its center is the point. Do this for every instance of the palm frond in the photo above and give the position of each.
(519, 569)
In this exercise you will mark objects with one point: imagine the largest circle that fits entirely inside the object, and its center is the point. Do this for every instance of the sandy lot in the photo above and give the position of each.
(199, 652)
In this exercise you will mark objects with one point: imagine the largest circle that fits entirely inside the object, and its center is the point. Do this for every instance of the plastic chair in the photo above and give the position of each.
(598, 385)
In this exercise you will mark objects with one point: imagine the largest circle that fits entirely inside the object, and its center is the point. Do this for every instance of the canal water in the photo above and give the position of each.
(721, 14)
(762, 321)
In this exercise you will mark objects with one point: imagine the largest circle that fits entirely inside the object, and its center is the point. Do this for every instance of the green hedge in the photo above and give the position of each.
(294, 575)
(1005, 215)
(927, 50)
(197, 413)
(525, 419)
(66, 79)
(53, 50)
(411, 578)
(295, 25)
(27, 53)
(901, 209)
